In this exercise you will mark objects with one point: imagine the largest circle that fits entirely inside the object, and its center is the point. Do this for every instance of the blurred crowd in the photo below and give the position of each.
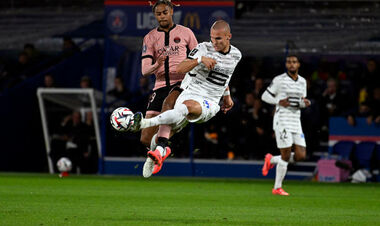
(30, 61)
(337, 86)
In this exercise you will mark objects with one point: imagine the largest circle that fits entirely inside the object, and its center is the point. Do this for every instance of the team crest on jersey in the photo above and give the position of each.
(177, 39)
(205, 102)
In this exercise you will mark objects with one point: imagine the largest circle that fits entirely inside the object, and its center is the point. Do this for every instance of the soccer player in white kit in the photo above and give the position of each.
(288, 92)
(208, 69)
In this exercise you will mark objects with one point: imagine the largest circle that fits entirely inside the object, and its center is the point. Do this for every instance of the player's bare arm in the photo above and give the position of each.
(228, 103)
(307, 102)
(188, 64)
(284, 102)
(147, 68)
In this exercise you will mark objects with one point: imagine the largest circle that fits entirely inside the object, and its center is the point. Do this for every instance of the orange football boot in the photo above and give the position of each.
(267, 165)
(157, 167)
(279, 191)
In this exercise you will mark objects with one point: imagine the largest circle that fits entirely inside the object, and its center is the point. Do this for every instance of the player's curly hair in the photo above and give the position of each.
(293, 55)
(159, 2)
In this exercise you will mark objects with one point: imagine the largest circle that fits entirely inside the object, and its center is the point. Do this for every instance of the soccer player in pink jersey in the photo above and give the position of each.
(163, 49)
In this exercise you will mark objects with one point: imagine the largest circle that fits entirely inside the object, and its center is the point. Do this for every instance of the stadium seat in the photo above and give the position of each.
(343, 149)
(363, 153)
(377, 162)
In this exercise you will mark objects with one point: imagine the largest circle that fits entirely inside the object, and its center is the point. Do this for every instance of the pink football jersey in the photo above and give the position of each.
(175, 44)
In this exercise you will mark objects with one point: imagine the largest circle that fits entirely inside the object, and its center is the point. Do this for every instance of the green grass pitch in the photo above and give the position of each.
(106, 200)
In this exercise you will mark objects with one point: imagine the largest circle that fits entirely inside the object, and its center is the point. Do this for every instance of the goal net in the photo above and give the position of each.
(70, 122)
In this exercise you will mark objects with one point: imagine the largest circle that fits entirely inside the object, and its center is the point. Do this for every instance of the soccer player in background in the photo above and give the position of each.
(208, 71)
(288, 92)
(163, 49)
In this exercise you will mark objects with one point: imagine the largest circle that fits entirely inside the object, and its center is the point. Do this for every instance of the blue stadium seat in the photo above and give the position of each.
(343, 149)
(363, 153)
(377, 160)
(377, 155)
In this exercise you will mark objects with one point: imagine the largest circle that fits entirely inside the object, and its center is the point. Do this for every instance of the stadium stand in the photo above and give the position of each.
(344, 149)
(364, 153)
(308, 26)
(336, 40)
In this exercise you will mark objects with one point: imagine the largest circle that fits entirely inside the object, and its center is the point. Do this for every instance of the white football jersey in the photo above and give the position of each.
(211, 83)
(284, 86)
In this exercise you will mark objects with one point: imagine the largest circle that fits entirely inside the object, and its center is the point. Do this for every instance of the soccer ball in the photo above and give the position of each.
(121, 119)
(64, 164)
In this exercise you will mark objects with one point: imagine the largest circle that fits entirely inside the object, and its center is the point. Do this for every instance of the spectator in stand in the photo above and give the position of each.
(333, 104)
(88, 159)
(69, 47)
(374, 106)
(259, 87)
(22, 65)
(370, 77)
(32, 52)
(141, 96)
(255, 128)
(77, 137)
(49, 81)
(85, 82)
(5, 75)
(18, 71)
(120, 92)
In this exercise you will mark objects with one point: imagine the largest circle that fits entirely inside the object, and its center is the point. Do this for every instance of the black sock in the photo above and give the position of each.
(162, 141)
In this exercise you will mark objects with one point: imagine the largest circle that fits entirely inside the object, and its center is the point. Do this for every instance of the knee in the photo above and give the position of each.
(300, 155)
(285, 156)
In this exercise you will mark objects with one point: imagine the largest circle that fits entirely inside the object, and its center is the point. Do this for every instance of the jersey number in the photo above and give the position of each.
(217, 78)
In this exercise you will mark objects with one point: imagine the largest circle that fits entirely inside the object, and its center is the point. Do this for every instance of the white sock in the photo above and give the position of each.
(153, 143)
(291, 159)
(275, 159)
(167, 118)
(161, 150)
(281, 169)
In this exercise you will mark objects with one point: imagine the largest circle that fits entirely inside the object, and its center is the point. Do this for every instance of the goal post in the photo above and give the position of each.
(78, 99)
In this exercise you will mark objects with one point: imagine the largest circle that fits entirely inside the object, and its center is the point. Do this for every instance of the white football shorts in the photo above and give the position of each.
(286, 139)
(209, 108)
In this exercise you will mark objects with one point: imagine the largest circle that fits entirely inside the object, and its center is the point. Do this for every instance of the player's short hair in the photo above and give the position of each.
(221, 24)
(159, 2)
(293, 55)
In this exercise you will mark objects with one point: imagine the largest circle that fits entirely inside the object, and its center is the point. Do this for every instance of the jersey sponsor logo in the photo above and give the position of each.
(192, 20)
(217, 78)
(117, 21)
(169, 51)
(177, 40)
(294, 101)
